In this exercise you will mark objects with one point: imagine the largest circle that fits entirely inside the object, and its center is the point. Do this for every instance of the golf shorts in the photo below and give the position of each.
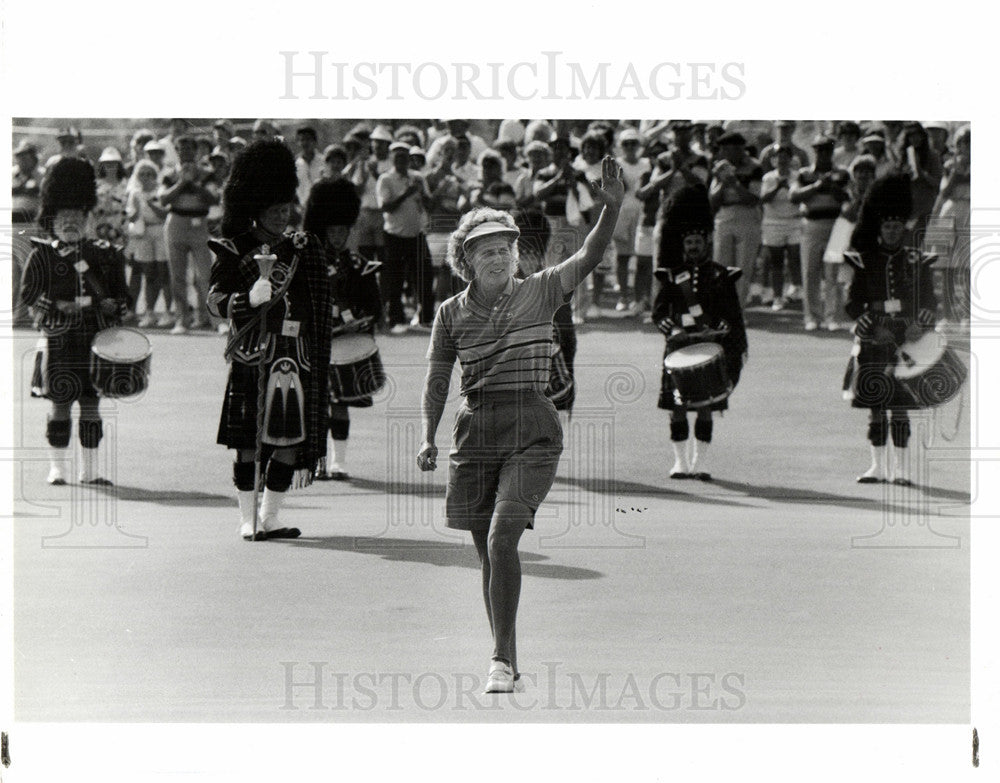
(506, 448)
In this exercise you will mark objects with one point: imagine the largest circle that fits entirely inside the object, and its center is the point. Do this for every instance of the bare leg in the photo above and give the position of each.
(509, 521)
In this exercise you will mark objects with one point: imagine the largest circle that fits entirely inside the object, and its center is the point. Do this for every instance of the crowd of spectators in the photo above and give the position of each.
(781, 202)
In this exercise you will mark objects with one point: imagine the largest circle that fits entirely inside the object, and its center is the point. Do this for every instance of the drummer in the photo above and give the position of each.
(292, 351)
(892, 301)
(75, 287)
(331, 211)
(697, 302)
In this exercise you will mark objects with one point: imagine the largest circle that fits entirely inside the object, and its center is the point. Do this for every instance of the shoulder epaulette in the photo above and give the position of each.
(222, 246)
(370, 266)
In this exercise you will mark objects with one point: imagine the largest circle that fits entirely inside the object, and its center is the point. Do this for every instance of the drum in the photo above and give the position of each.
(840, 240)
(119, 362)
(699, 375)
(929, 370)
(356, 370)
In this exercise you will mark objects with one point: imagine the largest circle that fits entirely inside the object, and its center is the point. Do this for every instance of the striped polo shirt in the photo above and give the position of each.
(506, 347)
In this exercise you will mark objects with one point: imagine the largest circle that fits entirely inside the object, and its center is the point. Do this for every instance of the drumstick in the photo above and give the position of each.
(265, 263)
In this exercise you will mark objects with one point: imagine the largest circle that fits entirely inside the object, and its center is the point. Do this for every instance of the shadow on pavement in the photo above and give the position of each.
(433, 553)
(165, 497)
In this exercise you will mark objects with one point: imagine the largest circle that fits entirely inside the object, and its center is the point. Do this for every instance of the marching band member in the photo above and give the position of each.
(75, 287)
(892, 300)
(695, 297)
(507, 434)
(331, 211)
(279, 339)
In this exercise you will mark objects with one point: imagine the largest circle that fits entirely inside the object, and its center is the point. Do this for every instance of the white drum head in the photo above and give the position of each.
(120, 344)
(692, 355)
(918, 356)
(350, 348)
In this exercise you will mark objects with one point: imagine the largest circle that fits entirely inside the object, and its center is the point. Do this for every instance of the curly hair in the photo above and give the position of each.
(456, 252)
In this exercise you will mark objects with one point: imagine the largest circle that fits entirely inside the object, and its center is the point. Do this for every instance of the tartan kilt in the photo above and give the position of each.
(238, 420)
(62, 367)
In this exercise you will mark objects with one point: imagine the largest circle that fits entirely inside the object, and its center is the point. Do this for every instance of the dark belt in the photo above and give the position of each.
(188, 213)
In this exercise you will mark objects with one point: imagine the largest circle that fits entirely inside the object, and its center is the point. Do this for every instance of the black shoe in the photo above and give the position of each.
(679, 475)
(281, 532)
(870, 480)
(98, 482)
(702, 476)
(59, 482)
(339, 475)
(902, 482)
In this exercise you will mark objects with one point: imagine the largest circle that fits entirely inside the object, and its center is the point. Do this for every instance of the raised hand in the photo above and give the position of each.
(611, 190)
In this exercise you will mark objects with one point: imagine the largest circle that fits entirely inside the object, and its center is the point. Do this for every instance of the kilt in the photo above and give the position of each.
(62, 367)
(868, 385)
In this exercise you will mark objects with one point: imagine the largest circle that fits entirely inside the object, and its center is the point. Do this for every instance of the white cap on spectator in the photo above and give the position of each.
(110, 155)
(381, 133)
(153, 146)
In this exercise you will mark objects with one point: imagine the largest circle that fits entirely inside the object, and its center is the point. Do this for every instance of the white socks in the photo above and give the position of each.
(339, 464)
(58, 465)
(246, 501)
(88, 464)
(700, 456)
(877, 469)
(680, 457)
(269, 507)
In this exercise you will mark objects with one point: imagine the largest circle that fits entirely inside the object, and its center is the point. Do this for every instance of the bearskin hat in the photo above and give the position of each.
(687, 212)
(331, 203)
(888, 197)
(263, 175)
(69, 184)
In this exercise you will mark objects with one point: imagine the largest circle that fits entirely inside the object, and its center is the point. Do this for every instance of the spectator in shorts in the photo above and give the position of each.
(781, 228)
(188, 200)
(633, 167)
(403, 196)
(819, 191)
(146, 246)
(783, 132)
(735, 198)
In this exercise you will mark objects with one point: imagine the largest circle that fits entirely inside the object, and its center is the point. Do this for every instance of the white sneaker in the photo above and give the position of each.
(146, 322)
(593, 312)
(500, 679)
(164, 321)
(778, 305)
(811, 326)
(179, 328)
(222, 328)
(399, 329)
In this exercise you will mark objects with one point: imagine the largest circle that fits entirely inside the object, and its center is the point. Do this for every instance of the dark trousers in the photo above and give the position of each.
(408, 260)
